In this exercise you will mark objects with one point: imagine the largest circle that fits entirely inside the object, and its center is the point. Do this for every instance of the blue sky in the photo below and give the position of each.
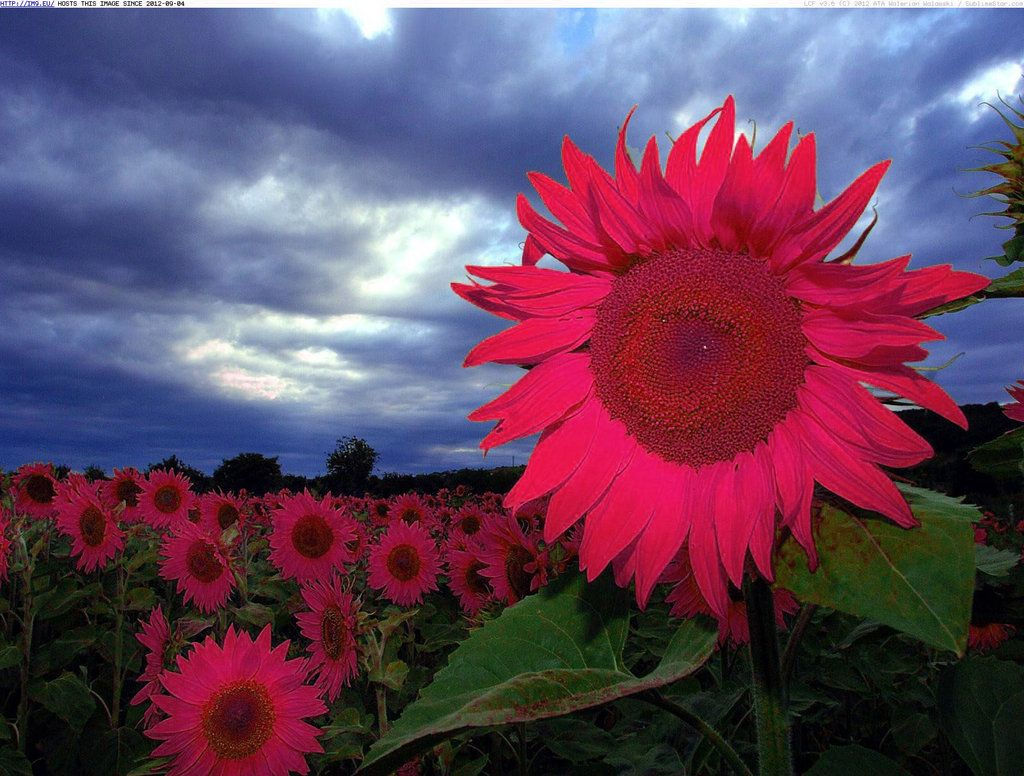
(231, 231)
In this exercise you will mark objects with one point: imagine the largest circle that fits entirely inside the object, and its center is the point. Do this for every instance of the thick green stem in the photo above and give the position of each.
(523, 761)
(118, 679)
(27, 621)
(769, 689)
(382, 710)
(713, 737)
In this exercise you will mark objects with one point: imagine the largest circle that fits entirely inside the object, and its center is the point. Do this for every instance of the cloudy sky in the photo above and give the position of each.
(230, 231)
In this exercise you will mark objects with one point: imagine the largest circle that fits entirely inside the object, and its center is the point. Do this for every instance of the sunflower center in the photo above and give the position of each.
(128, 492)
(333, 632)
(475, 581)
(311, 536)
(411, 515)
(518, 578)
(167, 499)
(227, 515)
(469, 524)
(403, 562)
(202, 562)
(39, 488)
(238, 719)
(699, 353)
(93, 526)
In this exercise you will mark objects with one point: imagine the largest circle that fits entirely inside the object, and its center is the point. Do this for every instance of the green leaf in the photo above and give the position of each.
(1003, 457)
(919, 581)
(552, 653)
(912, 731)
(393, 675)
(14, 763)
(255, 614)
(10, 656)
(841, 760)
(67, 697)
(995, 563)
(981, 705)
(1009, 285)
(141, 599)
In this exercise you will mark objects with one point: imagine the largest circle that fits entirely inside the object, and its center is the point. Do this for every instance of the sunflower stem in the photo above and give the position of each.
(115, 700)
(27, 621)
(769, 689)
(713, 737)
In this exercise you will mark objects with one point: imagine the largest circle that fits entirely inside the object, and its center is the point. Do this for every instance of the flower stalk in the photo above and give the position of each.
(769, 689)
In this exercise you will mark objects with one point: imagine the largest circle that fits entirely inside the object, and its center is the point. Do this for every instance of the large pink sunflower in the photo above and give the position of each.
(404, 564)
(5, 545)
(166, 498)
(310, 537)
(330, 625)
(689, 369)
(237, 710)
(82, 516)
(34, 488)
(199, 564)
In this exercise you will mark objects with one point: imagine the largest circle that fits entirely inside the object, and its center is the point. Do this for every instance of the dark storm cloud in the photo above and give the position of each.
(234, 230)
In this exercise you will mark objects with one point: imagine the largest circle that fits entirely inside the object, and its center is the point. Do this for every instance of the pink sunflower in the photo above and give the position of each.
(688, 601)
(124, 487)
(468, 521)
(154, 636)
(330, 625)
(1015, 409)
(34, 488)
(510, 559)
(219, 511)
(165, 498)
(466, 579)
(688, 370)
(404, 564)
(237, 710)
(200, 565)
(412, 508)
(88, 522)
(310, 537)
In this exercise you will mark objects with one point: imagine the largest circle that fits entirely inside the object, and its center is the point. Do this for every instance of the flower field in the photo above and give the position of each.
(725, 553)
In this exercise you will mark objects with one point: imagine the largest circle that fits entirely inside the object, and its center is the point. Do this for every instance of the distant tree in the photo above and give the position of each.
(93, 473)
(201, 482)
(350, 465)
(255, 472)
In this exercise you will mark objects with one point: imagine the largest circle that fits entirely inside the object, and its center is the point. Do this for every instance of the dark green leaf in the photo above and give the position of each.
(995, 563)
(141, 599)
(552, 653)
(1010, 285)
(14, 763)
(10, 656)
(981, 709)
(255, 614)
(919, 581)
(1002, 457)
(68, 698)
(912, 730)
(844, 760)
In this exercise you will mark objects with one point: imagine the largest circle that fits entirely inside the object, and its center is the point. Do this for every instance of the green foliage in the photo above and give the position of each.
(1003, 457)
(553, 653)
(981, 707)
(350, 465)
(852, 759)
(919, 581)
(253, 472)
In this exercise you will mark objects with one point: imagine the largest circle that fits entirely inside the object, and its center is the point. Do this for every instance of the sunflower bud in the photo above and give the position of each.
(1011, 191)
